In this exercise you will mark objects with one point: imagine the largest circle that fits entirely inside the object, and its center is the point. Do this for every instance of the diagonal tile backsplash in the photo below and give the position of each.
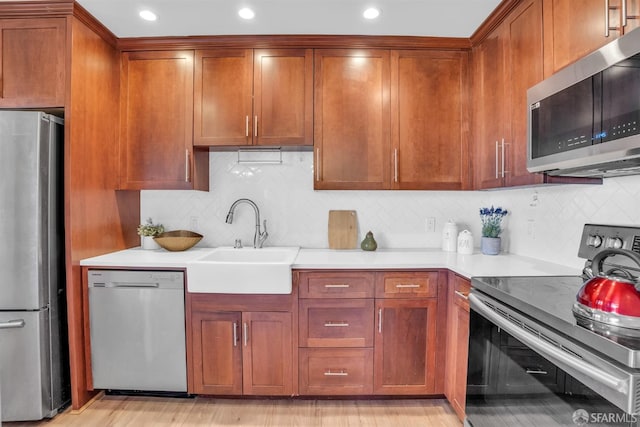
(545, 222)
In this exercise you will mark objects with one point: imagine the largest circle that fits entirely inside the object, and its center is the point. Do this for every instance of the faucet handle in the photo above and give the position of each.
(263, 235)
(238, 244)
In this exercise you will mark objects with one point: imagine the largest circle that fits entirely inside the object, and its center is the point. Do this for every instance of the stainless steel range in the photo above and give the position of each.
(532, 363)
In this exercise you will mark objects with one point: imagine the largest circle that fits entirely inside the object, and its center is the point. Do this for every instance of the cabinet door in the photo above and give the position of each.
(457, 344)
(33, 58)
(283, 97)
(524, 59)
(267, 353)
(489, 111)
(404, 349)
(223, 97)
(429, 120)
(351, 124)
(216, 353)
(577, 31)
(156, 95)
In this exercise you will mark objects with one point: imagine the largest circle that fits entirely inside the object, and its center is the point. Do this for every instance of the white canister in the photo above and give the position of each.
(449, 236)
(465, 242)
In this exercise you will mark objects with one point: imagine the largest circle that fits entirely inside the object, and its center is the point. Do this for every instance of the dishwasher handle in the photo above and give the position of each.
(125, 285)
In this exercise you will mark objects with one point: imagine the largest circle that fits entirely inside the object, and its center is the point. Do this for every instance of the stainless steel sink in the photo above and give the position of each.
(227, 270)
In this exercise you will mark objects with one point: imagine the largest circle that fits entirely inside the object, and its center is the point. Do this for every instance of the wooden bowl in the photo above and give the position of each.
(177, 240)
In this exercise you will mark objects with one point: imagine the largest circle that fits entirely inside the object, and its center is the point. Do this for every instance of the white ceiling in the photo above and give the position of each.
(442, 18)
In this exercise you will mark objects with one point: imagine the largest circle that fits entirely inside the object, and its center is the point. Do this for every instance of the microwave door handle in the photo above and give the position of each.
(548, 350)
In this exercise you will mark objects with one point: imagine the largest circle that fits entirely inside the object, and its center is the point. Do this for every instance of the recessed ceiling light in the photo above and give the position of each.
(147, 15)
(246, 13)
(371, 13)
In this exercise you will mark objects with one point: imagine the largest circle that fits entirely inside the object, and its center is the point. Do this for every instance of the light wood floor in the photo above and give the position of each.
(158, 411)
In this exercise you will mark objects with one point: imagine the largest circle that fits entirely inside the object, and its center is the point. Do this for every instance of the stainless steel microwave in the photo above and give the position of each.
(584, 120)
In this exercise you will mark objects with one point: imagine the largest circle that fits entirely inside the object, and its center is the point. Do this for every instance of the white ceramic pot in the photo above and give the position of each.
(490, 245)
(465, 242)
(450, 236)
(149, 243)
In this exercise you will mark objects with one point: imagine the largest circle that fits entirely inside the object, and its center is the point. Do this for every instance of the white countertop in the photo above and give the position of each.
(468, 266)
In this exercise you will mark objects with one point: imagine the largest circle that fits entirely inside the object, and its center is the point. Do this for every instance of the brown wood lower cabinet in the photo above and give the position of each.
(405, 346)
(369, 332)
(457, 343)
(240, 352)
(336, 371)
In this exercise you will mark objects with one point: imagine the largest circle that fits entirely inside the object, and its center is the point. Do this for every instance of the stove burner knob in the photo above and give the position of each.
(614, 242)
(594, 240)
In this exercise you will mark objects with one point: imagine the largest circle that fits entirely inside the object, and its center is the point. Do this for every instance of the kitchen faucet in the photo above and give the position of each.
(260, 236)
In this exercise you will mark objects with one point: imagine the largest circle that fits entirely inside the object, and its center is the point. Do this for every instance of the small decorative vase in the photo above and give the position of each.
(490, 245)
(369, 243)
(149, 243)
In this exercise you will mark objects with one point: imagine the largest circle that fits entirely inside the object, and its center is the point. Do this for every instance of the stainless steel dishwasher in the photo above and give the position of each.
(137, 330)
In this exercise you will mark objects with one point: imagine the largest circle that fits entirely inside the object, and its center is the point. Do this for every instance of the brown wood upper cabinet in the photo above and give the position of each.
(429, 120)
(247, 97)
(507, 63)
(352, 140)
(33, 60)
(391, 119)
(572, 32)
(156, 99)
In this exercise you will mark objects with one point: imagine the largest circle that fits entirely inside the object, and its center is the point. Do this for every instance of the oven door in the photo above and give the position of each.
(521, 373)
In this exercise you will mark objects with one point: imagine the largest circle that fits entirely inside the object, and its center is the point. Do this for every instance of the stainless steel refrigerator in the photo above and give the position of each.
(34, 366)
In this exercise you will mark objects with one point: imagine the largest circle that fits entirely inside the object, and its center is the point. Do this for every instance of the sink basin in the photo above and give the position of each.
(227, 270)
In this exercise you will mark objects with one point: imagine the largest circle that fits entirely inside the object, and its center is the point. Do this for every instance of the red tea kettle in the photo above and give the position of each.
(610, 297)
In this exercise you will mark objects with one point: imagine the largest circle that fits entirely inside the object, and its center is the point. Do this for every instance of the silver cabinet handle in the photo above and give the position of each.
(341, 373)
(246, 126)
(245, 333)
(317, 165)
(336, 324)
(502, 157)
(606, 18)
(408, 285)
(461, 295)
(187, 166)
(395, 165)
(624, 13)
(255, 126)
(235, 334)
(497, 156)
(536, 371)
(11, 324)
(379, 320)
(342, 285)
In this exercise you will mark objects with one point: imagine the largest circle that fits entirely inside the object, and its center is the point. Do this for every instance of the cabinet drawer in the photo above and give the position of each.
(329, 371)
(402, 285)
(336, 284)
(336, 323)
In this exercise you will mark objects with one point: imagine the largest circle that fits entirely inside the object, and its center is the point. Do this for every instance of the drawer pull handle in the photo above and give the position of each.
(461, 295)
(409, 285)
(341, 285)
(342, 373)
(336, 324)
(379, 320)
(536, 372)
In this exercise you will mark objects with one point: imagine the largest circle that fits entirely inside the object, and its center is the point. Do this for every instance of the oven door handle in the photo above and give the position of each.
(548, 350)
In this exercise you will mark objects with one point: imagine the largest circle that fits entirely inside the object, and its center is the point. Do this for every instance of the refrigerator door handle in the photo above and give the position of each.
(11, 324)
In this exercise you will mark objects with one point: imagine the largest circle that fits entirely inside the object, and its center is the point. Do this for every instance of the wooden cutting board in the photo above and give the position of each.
(343, 230)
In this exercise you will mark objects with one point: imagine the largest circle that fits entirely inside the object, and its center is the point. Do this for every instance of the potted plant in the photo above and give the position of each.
(491, 228)
(147, 232)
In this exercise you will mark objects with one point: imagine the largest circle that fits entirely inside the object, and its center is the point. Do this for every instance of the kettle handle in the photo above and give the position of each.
(596, 263)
